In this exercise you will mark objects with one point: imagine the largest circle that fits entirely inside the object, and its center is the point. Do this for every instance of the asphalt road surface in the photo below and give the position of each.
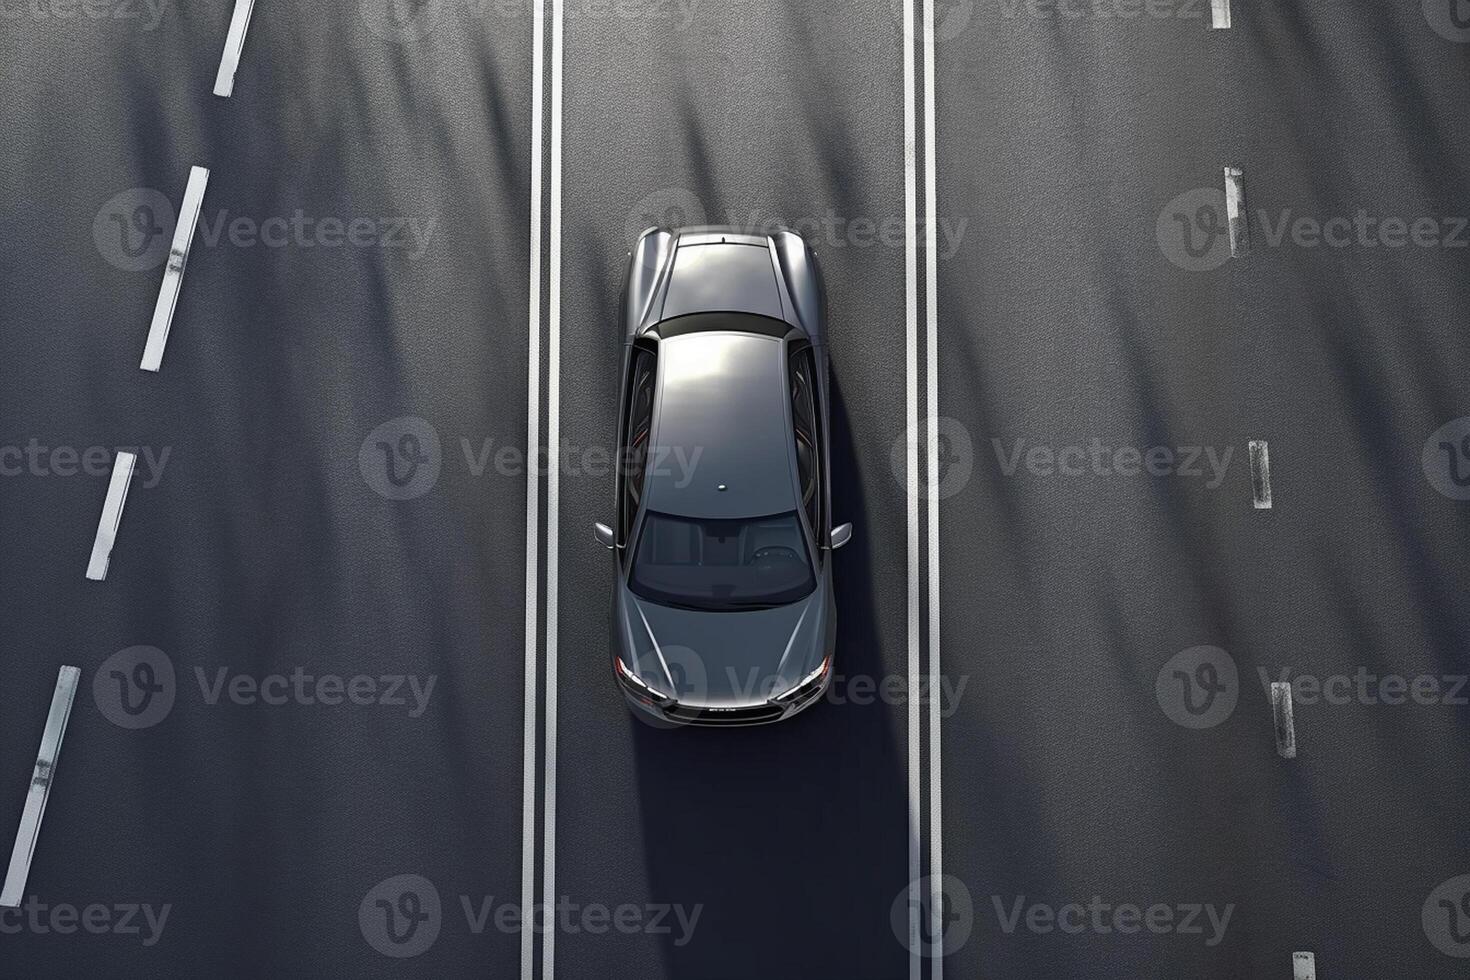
(300, 745)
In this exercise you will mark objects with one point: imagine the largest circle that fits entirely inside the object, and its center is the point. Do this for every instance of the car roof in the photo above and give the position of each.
(721, 417)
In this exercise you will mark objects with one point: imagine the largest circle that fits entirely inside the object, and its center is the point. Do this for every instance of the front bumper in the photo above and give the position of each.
(671, 713)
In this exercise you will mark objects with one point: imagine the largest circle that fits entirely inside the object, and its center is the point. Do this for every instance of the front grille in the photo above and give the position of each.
(753, 715)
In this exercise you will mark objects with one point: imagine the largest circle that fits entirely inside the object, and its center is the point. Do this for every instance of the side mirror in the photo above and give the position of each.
(841, 534)
(604, 535)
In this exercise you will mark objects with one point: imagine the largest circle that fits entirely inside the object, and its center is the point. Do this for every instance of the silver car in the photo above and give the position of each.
(723, 612)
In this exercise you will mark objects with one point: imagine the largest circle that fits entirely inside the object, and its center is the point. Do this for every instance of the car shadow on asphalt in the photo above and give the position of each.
(791, 836)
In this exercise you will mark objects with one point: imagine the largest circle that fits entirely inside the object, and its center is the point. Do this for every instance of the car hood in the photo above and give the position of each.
(722, 659)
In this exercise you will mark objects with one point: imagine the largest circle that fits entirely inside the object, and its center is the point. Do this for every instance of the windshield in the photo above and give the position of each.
(722, 565)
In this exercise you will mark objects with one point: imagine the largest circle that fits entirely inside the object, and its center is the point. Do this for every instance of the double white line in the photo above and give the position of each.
(530, 734)
(920, 49)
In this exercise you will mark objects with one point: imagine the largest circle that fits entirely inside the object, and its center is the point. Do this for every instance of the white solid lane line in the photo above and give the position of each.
(229, 61)
(41, 779)
(911, 473)
(553, 486)
(173, 273)
(112, 510)
(533, 531)
(931, 381)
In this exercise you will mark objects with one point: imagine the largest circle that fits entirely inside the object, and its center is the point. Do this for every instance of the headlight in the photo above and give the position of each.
(814, 679)
(635, 680)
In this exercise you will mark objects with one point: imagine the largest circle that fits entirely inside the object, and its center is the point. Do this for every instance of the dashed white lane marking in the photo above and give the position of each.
(1281, 714)
(533, 513)
(1303, 966)
(931, 408)
(1260, 453)
(173, 273)
(1220, 14)
(1238, 217)
(42, 777)
(553, 486)
(224, 80)
(112, 510)
(911, 466)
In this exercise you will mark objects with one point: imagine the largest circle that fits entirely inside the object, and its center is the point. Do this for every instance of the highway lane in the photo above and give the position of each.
(270, 542)
(791, 839)
(1067, 321)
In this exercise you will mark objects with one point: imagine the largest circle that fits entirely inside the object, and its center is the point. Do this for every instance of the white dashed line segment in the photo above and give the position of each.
(42, 777)
(173, 273)
(112, 510)
(1281, 714)
(1260, 455)
(224, 80)
(1239, 221)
